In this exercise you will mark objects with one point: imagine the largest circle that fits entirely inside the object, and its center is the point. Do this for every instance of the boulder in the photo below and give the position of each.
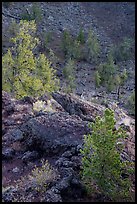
(54, 133)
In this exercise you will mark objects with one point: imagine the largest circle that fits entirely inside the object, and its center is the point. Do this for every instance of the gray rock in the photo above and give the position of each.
(8, 193)
(15, 170)
(29, 156)
(52, 134)
(17, 134)
(67, 154)
(68, 164)
(52, 195)
(8, 153)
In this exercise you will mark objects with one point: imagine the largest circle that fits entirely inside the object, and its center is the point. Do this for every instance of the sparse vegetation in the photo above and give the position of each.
(102, 167)
(122, 51)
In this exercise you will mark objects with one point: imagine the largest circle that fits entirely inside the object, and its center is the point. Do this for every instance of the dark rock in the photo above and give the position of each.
(52, 195)
(17, 134)
(53, 133)
(8, 153)
(68, 164)
(67, 154)
(29, 156)
(60, 161)
(8, 193)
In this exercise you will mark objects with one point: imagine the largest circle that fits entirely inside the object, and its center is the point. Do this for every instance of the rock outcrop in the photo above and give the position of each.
(56, 136)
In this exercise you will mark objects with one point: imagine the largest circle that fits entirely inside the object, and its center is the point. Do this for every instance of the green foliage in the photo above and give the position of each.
(107, 71)
(67, 43)
(69, 75)
(122, 51)
(119, 81)
(81, 37)
(71, 47)
(101, 163)
(46, 39)
(93, 47)
(23, 73)
(35, 13)
(97, 79)
(131, 103)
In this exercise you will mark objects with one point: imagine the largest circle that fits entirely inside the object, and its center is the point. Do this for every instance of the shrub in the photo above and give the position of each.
(97, 79)
(101, 164)
(42, 106)
(81, 37)
(120, 81)
(122, 51)
(35, 13)
(93, 47)
(68, 73)
(23, 73)
(40, 177)
(67, 44)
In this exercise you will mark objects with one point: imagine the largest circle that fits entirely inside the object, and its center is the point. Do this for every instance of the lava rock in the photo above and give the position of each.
(29, 156)
(8, 153)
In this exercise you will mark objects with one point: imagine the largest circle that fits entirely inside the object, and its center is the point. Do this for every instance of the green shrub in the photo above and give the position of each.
(93, 47)
(69, 75)
(81, 37)
(71, 47)
(35, 13)
(23, 73)
(97, 79)
(122, 51)
(120, 81)
(67, 43)
(101, 164)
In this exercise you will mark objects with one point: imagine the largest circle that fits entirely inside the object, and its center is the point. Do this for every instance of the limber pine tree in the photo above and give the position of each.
(101, 163)
(23, 74)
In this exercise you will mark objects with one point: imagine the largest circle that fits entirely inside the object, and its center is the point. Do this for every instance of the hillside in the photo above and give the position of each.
(56, 134)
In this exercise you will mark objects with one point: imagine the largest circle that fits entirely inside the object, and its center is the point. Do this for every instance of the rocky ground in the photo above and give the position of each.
(57, 135)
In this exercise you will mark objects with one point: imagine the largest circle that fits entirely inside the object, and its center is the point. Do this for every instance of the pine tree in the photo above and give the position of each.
(69, 75)
(97, 79)
(23, 73)
(93, 48)
(101, 163)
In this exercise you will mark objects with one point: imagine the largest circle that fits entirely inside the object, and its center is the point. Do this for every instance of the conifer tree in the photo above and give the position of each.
(101, 162)
(23, 73)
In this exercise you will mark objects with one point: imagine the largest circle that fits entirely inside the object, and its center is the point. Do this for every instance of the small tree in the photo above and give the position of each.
(23, 73)
(81, 37)
(122, 51)
(120, 81)
(93, 48)
(101, 163)
(97, 79)
(69, 75)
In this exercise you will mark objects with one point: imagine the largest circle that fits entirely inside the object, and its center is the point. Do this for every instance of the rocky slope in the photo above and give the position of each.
(56, 136)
